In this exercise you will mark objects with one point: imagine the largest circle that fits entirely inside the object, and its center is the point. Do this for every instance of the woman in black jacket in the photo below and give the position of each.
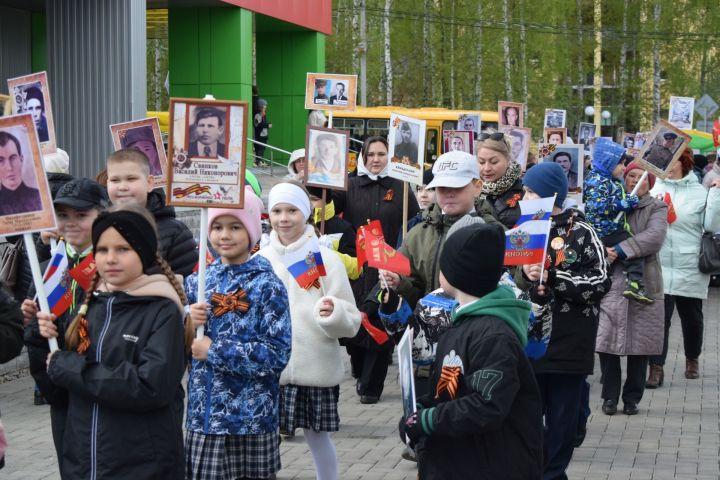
(373, 195)
(502, 186)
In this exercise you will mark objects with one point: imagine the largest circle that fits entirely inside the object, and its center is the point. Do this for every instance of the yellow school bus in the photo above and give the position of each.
(368, 121)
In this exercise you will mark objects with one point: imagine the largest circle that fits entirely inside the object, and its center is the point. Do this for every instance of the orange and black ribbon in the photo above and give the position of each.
(223, 304)
(389, 195)
(513, 201)
(449, 378)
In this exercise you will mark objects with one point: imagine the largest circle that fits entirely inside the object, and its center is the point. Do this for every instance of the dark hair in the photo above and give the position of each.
(686, 161)
(505, 110)
(202, 113)
(566, 154)
(35, 93)
(130, 155)
(6, 137)
(374, 139)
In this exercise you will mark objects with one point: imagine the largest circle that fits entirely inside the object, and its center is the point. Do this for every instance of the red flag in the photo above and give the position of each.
(671, 215)
(716, 133)
(373, 227)
(375, 333)
(381, 255)
(84, 272)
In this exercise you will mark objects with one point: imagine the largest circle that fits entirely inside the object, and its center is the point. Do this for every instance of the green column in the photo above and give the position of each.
(39, 43)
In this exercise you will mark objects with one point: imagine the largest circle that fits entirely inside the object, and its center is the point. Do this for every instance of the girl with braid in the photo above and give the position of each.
(124, 358)
(234, 383)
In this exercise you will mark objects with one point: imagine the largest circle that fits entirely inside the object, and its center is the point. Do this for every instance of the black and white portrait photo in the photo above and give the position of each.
(326, 158)
(30, 94)
(663, 147)
(681, 111)
(554, 118)
(510, 114)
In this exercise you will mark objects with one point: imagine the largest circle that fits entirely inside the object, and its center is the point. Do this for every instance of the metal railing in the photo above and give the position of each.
(271, 160)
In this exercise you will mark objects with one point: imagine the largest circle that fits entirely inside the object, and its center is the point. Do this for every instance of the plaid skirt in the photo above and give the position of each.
(315, 408)
(231, 456)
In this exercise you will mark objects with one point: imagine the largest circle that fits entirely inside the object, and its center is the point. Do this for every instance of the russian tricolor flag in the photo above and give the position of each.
(526, 244)
(57, 281)
(306, 264)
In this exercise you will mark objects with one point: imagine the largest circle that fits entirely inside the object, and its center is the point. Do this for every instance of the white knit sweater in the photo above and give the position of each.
(316, 358)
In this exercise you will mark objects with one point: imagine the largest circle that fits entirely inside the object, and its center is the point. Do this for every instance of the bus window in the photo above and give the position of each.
(493, 125)
(449, 125)
(431, 144)
(355, 126)
(376, 126)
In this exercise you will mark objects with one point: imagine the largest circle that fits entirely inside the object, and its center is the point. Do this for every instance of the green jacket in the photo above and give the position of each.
(423, 246)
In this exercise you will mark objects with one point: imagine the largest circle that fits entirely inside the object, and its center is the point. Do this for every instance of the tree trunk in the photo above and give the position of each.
(452, 54)
(388, 56)
(355, 21)
(623, 66)
(479, 57)
(656, 67)
(362, 50)
(523, 59)
(427, 77)
(580, 52)
(506, 50)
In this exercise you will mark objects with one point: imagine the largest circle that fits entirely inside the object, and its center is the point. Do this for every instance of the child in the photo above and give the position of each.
(233, 389)
(77, 204)
(482, 417)
(129, 181)
(320, 316)
(604, 198)
(124, 358)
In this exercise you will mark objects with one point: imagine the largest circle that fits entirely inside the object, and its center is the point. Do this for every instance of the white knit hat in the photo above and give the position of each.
(58, 162)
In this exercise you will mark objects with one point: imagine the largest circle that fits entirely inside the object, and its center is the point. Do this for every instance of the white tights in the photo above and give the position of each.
(323, 452)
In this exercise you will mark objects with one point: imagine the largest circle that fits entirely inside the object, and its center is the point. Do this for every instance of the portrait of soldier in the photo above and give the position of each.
(405, 147)
(320, 91)
(15, 196)
(209, 128)
(662, 150)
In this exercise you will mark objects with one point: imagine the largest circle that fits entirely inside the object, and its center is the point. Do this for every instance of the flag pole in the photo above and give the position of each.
(322, 211)
(634, 192)
(202, 264)
(405, 209)
(38, 280)
(542, 263)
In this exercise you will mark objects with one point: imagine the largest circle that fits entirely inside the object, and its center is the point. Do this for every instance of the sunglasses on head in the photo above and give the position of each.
(497, 136)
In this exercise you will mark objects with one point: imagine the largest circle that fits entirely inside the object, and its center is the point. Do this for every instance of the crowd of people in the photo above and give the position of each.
(500, 355)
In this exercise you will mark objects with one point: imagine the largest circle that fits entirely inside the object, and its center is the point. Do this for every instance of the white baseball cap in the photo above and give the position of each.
(455, 170)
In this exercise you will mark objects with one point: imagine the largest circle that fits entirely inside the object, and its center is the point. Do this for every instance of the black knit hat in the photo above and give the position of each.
(134, 228)
(463, 265)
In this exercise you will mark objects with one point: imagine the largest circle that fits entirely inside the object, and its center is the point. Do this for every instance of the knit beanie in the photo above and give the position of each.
(462, 265)
(636, 166)
(606, 155)
(547, 179)
(249, 215)
(462, 222)
(134, 228)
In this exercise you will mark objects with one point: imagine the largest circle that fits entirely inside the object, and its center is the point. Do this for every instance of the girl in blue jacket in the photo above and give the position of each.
(233, 389)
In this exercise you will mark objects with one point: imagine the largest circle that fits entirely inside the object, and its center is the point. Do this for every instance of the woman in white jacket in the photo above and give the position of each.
(310, 384)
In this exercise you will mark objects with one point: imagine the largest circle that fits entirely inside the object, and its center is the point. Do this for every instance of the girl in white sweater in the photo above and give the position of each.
(310, 384)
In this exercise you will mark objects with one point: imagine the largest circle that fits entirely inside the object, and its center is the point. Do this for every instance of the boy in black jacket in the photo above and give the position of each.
(483, 416)
(129, 181)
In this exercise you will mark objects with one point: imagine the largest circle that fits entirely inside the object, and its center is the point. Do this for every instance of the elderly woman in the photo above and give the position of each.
(372, 195)
(502, 186)
(628, 328)
(697, 210)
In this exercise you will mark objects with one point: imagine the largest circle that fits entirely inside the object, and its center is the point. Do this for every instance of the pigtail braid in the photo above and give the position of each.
(77, 335)
(167, 271)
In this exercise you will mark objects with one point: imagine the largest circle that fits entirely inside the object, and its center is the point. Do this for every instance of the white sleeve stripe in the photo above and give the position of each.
(581, 280)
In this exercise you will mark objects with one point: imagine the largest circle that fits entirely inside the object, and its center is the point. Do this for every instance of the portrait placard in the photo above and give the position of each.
(405, 370)
(510, 114)
(406, 142)
(586, 132)
(662, 149)
(31, 94)
(571, 158)
(680, 113)
(25, 199)
(554, 118)
(207, 148)
(554, 136)
(327, 158)
(470, 122)
(520, 139)
(628, 141)
(330, 91)
(640, 139)
(5, 105)
(143, 135)
(461, 140)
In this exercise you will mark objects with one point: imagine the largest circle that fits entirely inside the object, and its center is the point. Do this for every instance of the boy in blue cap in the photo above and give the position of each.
(605, 198)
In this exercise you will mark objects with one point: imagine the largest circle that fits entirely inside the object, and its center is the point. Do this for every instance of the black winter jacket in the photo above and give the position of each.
(368, 199)
(505, 207)
(577, 289)
(122, 415)
(493, 428)
(176, 243)
(11, 328)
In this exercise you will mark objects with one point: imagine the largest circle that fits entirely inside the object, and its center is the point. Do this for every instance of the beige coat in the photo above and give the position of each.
(627, 327)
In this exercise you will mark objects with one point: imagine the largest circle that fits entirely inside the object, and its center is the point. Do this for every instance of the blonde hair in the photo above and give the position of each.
(503, 147)
(76, 336)
(131, 155)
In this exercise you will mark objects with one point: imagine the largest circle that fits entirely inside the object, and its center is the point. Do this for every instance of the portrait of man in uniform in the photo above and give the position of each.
(662, 147)
(338, 97)
(326, 163)
(15, 196)
(661, 151)
(320, 91)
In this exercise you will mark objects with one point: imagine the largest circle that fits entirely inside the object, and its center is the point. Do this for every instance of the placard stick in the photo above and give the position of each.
(38, 281)
(202, 263)
(53, 244)
(329, 119)
(322, 212)
(405, 209)
(634, 192)
(542, 264)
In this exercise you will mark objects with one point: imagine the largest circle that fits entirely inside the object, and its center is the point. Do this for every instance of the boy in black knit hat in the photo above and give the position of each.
(482, 417)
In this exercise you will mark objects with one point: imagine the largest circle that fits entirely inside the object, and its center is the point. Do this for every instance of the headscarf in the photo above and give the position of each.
(362, 169)
(504, 183)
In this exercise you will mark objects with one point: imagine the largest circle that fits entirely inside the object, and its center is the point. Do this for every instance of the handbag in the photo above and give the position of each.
(709, 261)
(9, 261)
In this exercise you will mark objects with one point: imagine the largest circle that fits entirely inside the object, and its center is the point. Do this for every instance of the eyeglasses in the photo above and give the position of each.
(497, 136)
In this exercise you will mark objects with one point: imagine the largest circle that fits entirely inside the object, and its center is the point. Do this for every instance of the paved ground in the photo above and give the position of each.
(676, 435)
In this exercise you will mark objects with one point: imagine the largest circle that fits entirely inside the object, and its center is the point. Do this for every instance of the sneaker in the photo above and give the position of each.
(38, 398)
(409, 454)
(635, 291)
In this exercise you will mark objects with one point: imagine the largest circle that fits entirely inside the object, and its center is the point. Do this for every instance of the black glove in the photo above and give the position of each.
(411, 427)
(393, 302)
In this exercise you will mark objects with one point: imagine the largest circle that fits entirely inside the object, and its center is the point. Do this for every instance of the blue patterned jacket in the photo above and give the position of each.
(604, 198)
(236, 390)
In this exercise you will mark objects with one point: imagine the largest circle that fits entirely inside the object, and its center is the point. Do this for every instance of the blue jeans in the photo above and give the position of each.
(561, 396)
